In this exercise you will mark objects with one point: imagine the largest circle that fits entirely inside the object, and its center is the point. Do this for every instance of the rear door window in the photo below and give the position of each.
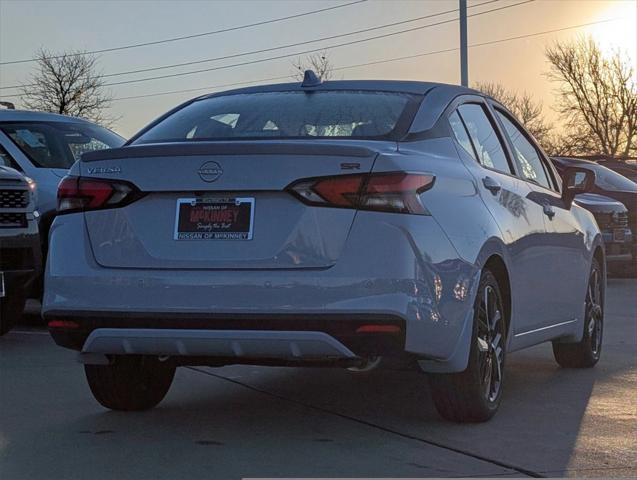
(531, 165)
(484, 138)
(461, 134)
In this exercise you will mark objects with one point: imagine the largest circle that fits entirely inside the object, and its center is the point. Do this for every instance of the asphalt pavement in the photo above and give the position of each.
(242, 421)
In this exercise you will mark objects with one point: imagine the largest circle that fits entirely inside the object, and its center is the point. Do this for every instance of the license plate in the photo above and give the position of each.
(214, 219)
(619, 235)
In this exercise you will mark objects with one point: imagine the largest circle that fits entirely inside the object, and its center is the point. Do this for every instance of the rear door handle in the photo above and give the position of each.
(548, 211)
(491, 185)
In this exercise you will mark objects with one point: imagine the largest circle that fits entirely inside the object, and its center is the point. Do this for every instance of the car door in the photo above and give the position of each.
(564, 246)
(507, 197)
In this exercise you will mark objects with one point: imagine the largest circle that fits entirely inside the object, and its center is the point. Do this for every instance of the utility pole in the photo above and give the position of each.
(464, 67)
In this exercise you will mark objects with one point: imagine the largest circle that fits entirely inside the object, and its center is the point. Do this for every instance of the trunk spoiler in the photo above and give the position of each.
(229, 148)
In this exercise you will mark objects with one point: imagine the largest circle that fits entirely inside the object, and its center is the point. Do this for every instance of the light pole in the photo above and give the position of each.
(464, 67)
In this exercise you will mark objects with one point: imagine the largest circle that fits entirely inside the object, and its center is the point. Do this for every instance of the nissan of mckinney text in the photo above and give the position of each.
(338, 224)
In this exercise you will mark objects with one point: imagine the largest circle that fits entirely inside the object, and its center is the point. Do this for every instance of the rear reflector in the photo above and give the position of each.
(378, 329)
(63, 324)
(388, 191)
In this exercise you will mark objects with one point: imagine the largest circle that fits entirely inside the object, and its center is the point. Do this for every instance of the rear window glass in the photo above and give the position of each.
(59, 144)
(485, 141)
(281, 115)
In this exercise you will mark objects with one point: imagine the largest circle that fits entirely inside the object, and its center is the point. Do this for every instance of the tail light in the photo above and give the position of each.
(82, 194)
(387, 192)
(63, 324)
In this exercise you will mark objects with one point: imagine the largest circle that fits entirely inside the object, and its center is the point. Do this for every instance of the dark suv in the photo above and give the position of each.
(612, 218)
(609, 184)
(628, 168)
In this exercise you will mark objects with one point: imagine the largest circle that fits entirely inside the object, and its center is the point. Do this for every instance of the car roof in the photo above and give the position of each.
(399, 86)
(9, 115)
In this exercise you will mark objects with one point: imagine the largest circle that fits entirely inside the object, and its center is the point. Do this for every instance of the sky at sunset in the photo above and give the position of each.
(519, 64)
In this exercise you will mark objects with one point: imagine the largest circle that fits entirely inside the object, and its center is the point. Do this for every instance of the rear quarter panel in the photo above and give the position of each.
(472, 235)
(454, 201)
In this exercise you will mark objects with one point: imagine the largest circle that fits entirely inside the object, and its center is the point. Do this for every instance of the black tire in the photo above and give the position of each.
(11, 308)
(130, 382)
(474, 394)
(587, 352)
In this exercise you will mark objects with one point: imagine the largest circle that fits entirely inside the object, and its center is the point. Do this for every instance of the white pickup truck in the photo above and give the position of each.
(20, 253)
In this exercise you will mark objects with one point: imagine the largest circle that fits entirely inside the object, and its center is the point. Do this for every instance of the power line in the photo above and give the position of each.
(281, 47)
(297, 44)
(247, 82)
(196, 35)
(376, 62)
(481, 44)
(353, 42)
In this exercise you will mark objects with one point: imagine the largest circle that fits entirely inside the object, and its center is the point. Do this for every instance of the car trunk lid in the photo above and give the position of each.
(201, 182)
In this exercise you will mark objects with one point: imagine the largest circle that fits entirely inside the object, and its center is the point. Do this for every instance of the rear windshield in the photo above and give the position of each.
(284, 115)
(59, 144)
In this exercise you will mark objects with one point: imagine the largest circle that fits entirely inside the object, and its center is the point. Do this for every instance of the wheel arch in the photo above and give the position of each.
(493, 255)
(600, 255)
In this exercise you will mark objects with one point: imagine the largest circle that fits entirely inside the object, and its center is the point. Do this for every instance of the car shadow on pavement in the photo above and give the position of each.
(272, 421)
(552, 420)
(546, 422)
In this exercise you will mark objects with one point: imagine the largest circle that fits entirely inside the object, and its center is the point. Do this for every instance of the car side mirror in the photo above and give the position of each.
(576, 180)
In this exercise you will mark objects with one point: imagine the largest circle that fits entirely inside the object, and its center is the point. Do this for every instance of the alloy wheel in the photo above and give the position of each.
(594, 315)
(490, 343)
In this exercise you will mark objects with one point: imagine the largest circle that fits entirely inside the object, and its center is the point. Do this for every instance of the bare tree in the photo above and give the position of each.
(597, 98)
(69, 84)
(318, 62)
(523, 106)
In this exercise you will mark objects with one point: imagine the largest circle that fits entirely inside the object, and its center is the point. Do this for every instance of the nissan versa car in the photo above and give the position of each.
(326, 224)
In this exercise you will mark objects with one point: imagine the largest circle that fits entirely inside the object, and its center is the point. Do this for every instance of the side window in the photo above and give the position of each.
(79, 144)
(485, 139)
(7, 160)
(461, 134)
(526, 154)
(35, 143)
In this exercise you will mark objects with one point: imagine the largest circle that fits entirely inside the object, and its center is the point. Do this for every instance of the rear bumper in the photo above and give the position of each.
(396, 269)
(75, 329)
(232, 345)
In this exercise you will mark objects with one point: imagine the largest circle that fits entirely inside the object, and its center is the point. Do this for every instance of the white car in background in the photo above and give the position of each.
(43, 146)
